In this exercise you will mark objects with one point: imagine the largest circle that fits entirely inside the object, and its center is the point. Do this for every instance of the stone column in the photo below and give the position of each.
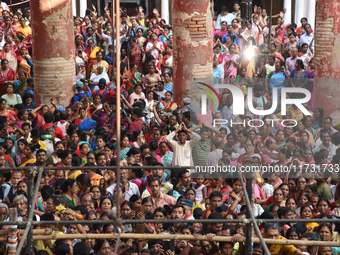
(300, 11)
(82, 8)
(74, 7)
(192, 49)
(311, 13)
(53, 50)
(165, 11)
(287, 4)
(327, 51)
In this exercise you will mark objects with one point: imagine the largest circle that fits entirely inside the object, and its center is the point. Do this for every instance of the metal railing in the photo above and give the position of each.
(33, 196)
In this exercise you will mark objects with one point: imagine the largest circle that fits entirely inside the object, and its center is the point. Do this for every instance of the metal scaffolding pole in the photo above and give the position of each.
(249, 229)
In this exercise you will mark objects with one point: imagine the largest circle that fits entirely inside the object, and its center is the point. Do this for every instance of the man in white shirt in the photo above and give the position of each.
(216, 155)
(183, 148)
(130, 188)
(224, 16)
(227, 111)
(108, 38)
(325, 136)
(308, 37)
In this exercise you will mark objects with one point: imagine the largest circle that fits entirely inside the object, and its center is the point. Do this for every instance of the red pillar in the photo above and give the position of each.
(53, 50)
(192, 31)
(327, 56)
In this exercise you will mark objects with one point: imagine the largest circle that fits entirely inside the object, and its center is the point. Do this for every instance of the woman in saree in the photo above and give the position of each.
(103, 115)
(7, 75)
(81, 59)
(168, 60)
(24, 30)
(8, 54)
(135, 53)
(252, 34)
(217, 72)
(83, 122)
(299, 76)
(11, 98)
(140, 38)
(218, 75)
(25, 63)
(155, 48)
(243, 78)
(288, 47)
(131, 77)
(236, 26)
(79, 41)
(8, 28)
(280, 139)
(250, 63)
(277, 78)
(277, 55)
(124, 148)
(310, 84)
(91, 52)
(317, 118)
(9, 40)
(99, 62)
(21, 84)
(169, 106)
(305, 55)
(69, 190)
(223, 29)
(232, 61)
(280, 32)
(29, 157)
(17, 45)
(15, 23)
(151, 79)
(168, 84)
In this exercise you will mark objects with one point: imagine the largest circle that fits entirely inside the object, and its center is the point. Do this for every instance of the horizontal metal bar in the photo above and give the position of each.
(169, 221)
(238, 168)
(41, 168)
(178, 237)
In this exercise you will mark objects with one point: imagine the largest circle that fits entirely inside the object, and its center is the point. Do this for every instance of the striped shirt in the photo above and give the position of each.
(200, 152)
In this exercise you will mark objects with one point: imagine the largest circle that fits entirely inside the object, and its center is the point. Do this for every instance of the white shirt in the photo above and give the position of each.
(50, 147)
(307, 39)
(214, 157)
(4, 5)
(95, 78)
(331, 150)
(240, 150)
(227, 18)
(108, 40)
(182, 153)
(133, 190)
(268, 190)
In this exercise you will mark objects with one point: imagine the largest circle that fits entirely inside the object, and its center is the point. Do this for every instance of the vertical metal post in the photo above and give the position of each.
(118, 106)
(30, 183)
(98, 8)
(113, 13)
(249, 231)
(270, 23)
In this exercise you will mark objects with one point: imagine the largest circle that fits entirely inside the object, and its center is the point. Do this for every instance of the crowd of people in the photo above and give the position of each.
(155, 131)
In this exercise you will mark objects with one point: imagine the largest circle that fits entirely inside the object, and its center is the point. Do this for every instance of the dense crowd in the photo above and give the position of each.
(155, 131)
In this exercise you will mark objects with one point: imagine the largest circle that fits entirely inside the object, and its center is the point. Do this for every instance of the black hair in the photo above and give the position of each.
(198, 213)
(68, 183)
